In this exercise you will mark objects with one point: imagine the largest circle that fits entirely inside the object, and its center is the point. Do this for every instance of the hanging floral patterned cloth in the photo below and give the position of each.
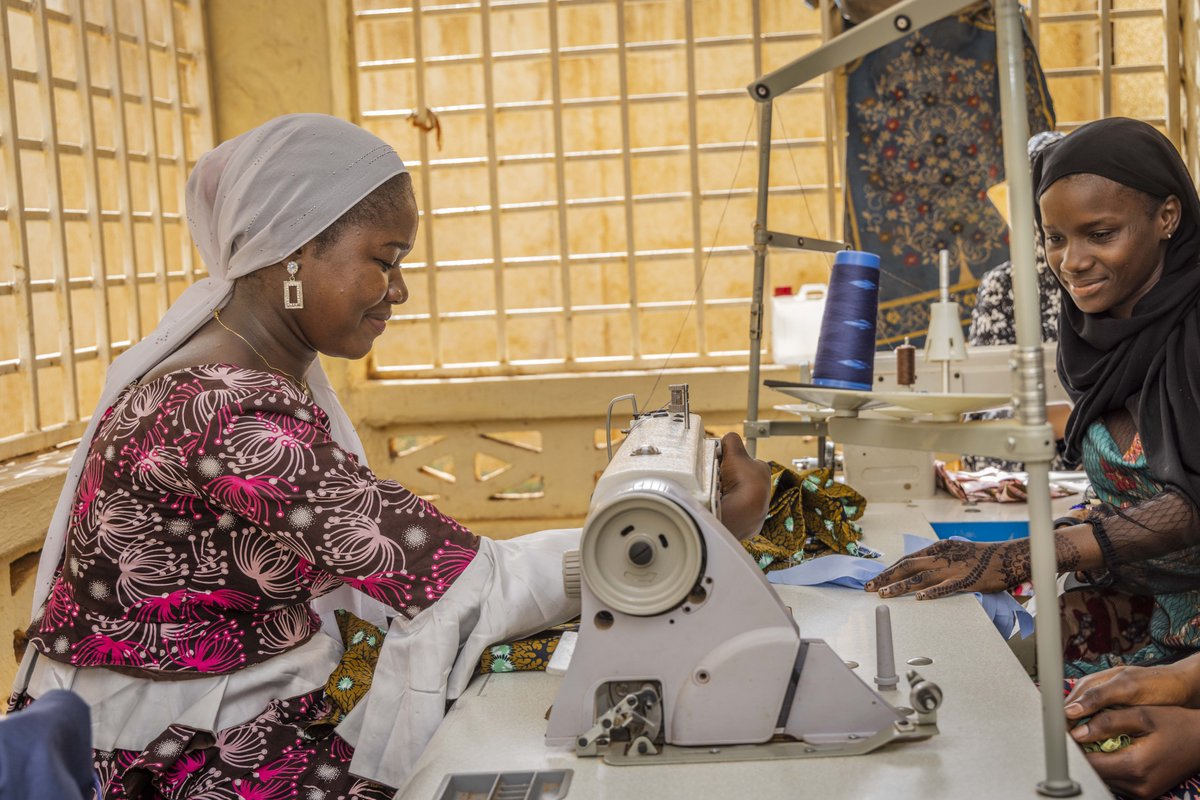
(810, 514)
(923, 145)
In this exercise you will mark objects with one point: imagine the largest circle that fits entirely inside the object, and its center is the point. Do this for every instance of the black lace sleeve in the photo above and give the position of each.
(1150, 548)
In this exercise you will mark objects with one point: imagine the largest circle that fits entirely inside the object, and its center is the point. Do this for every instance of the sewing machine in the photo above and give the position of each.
(685, 653)
(686, 683)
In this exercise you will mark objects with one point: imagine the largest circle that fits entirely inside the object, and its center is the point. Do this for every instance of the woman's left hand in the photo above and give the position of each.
(1162, 755)
(949, 567)
(745, 488)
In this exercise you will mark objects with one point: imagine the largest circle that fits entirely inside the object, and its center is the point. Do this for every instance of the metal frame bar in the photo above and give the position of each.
(493, 169)
(1029, 390)
(1172, 30)
(91, 180)
(598, 155)
(435, 329)
(833, 139)
(133, 304)
(1106, 57)
(697, 196)
(58, 232)
(177, 122)
(635, 327)
(1033, 436)
(560, 184)
(15, 190)
(881, 29)
(150, 132)
(586, 50)
(571, 102)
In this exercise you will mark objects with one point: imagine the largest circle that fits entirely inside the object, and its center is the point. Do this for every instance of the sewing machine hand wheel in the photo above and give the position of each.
(641, 555)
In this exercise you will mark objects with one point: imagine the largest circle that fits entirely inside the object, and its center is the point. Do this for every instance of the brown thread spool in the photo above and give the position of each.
(906, 364)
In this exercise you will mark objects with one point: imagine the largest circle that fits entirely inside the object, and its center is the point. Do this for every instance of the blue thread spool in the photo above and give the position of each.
(846, 347)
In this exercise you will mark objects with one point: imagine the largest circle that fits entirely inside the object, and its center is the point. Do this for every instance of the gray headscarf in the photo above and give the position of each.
(251, 202)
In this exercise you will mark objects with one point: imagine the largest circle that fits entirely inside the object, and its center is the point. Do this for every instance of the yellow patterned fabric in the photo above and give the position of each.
(530, 654)
(351, 678)
(810, 514)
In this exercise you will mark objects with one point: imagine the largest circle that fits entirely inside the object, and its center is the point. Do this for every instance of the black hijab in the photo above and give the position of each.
(1148, 364)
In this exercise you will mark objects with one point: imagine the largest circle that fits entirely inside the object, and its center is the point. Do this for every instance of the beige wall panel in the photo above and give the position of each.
(467, 289)
(587, 24)
(521, 80)
(663, 279)
(654, 174)
(654, 20)
(535, 339)
(591, 75)
(462, 236)
(532, 287)
(523, 182)
(405, 343)
(663, 225)
(251, 45)
(384, 38)
(520, 29)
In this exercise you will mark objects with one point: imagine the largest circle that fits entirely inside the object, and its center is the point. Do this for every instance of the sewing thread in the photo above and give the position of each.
(906, 364)
(846, 347)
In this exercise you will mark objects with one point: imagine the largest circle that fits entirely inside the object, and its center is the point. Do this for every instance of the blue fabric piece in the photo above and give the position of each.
(833, 570)
(838, 570)
(46, 749)
(1006, 613)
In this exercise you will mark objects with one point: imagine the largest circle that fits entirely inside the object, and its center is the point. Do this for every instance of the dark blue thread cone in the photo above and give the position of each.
(846, 347)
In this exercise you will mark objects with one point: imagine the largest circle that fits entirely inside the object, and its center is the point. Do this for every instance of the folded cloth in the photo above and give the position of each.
(1006, 613)
(46, 749)
(810, 514)
(990, 484)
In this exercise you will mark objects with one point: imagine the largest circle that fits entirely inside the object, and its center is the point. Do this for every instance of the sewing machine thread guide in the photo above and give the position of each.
(885, 659)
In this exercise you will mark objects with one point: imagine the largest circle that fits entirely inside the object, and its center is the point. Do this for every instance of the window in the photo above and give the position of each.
(106, 110)
(594, 158)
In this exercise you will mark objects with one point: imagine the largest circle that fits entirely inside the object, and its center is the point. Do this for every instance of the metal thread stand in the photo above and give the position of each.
(1029, 438)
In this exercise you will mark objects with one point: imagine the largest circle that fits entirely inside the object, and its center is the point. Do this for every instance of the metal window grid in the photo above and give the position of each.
(77, 44)
(410, 62)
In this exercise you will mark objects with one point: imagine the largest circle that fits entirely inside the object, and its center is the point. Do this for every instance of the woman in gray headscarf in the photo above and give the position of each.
(220, 508)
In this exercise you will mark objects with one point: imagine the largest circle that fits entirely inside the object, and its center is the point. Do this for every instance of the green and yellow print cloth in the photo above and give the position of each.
(351, 678)
(810, 514)
(530, 654)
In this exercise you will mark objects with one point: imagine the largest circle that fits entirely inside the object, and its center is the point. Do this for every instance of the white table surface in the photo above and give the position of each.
(990, 721)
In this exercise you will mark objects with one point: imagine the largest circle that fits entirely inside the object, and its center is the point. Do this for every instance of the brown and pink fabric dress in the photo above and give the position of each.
(214, 506)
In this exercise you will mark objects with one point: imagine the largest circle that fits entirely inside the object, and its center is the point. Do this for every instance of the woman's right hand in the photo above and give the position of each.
(952, 566)
(1175, 684)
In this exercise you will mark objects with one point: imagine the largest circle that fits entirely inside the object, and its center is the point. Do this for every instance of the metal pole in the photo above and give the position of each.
(760, 267)
(1030, 394)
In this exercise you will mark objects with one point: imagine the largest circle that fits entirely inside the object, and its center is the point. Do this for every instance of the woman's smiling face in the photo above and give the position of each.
(351, 284)
(1105, 242)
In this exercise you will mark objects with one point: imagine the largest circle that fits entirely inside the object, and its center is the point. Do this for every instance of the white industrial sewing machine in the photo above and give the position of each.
(685, 652)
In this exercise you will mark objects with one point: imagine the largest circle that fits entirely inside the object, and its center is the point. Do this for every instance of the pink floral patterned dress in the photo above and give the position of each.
(213, 507)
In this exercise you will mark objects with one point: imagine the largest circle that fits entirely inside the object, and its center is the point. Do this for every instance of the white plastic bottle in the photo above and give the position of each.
(796, 322)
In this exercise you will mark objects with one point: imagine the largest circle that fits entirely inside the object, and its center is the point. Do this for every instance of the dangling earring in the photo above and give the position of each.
(293, 290)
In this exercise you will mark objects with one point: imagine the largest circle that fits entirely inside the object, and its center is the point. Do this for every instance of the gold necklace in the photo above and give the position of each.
(270, 366)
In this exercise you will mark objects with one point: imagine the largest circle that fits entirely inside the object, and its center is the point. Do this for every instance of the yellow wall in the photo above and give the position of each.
(269, 58)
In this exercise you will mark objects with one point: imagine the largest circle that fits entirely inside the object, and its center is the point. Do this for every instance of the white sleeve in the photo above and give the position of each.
(511, 589)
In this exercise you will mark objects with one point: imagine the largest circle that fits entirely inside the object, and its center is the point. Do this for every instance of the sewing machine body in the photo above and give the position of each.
(682, 642)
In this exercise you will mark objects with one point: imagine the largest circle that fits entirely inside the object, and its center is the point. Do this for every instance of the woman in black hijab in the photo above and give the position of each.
(1121, 223)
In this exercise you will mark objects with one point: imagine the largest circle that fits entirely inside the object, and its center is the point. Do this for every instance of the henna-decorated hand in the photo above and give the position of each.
(950, 567)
